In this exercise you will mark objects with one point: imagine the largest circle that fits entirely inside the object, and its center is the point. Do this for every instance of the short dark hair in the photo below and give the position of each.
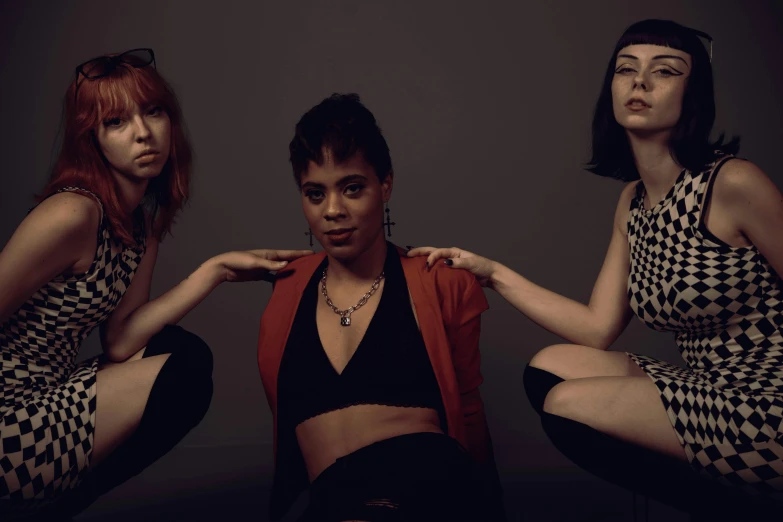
(690, 140)
(341, 125)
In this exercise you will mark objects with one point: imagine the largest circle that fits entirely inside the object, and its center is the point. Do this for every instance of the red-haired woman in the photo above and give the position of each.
(82, 258)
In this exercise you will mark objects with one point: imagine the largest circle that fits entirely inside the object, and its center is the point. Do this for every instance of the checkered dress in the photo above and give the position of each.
(723, 305)
(47, 409)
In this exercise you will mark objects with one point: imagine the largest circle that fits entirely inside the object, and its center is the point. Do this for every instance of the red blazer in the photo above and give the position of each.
(448, 303)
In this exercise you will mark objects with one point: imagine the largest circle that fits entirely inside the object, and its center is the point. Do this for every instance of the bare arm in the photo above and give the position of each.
(48, 242)
(136, 319)
(755, 205)
(596, 324)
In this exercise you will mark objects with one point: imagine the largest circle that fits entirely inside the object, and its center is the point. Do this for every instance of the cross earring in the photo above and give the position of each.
(310, 233)
(388, 223)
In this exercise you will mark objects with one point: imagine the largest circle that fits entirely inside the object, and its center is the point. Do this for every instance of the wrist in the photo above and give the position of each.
(211, 271)
(496, 275)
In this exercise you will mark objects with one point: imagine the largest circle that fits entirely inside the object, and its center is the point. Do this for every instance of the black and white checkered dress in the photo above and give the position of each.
(47, 411)
(723, 305)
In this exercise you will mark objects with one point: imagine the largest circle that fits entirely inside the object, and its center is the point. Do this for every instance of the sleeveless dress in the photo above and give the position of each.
(723, 305)
(47, 408)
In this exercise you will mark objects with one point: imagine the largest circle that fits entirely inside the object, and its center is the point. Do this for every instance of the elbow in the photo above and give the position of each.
(112, 349)
(114, 357)
(114, 352)
(598, 334)
(600, 339)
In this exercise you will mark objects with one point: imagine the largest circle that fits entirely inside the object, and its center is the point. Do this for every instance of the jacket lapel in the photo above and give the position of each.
(425, 299)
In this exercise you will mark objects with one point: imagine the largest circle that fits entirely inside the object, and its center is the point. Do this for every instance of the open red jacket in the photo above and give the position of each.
(448, 303)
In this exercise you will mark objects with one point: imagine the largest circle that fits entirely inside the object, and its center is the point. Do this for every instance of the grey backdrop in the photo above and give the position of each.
(486, 107)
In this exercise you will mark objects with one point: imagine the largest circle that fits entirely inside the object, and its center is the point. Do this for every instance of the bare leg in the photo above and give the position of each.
(628, 408)
(123, 390)
(606, 415)
(608, 392)
(572, 361)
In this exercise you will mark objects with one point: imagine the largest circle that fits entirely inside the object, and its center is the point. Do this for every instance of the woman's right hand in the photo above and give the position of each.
(481, 267)
(254, 265)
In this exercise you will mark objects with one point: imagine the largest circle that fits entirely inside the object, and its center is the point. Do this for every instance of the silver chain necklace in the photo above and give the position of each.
(345, 315)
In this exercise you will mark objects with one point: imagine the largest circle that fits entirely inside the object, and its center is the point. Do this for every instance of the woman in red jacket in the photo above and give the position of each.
(370, 363)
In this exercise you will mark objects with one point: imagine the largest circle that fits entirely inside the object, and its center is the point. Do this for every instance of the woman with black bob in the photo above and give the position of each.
(696, 250)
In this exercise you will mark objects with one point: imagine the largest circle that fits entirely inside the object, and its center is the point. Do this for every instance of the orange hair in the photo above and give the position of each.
(81, 162)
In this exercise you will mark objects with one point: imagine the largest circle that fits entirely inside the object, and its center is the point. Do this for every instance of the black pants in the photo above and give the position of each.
(422, 476)
(178, 400)
(665, 479)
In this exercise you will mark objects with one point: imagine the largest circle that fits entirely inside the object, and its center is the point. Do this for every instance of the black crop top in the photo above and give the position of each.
(390, 367)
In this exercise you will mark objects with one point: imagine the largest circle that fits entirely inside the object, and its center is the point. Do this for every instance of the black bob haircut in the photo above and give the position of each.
(342, 126)
(690, 140)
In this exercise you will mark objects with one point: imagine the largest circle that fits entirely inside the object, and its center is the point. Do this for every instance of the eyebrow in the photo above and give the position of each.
(342, 181)
(656, 57)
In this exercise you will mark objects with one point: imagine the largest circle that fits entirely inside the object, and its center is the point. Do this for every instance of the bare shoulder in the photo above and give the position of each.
(67, 212)
(746, 196)
(742, 179)
(51, 240)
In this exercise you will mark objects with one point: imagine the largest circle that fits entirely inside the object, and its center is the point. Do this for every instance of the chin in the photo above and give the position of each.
(643, 127)
(343, 254)
(346, 252)
(150, 171)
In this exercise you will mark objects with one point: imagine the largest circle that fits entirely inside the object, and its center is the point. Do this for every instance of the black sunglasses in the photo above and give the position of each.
(104, 65)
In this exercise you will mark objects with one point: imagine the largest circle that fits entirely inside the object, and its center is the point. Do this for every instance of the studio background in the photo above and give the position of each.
(486, 107)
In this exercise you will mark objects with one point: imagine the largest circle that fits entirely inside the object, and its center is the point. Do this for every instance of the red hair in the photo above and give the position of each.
(82, 164)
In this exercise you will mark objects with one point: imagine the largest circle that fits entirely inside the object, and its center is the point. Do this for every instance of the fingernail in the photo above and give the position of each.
(449, 262)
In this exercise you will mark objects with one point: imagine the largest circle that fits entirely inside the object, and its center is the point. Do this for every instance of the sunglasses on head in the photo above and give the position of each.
(105, 65)
(705, 36)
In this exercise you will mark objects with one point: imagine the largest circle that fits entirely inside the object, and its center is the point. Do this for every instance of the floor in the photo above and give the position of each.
(227, 484)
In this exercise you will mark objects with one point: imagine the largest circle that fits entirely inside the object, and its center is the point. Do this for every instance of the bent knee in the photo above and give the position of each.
(573, 361)
(187, 346)
(187, 387)
(561, 400)
(557, 358)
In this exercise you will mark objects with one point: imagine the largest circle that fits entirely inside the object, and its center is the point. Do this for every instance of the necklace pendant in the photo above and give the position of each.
(345, 320)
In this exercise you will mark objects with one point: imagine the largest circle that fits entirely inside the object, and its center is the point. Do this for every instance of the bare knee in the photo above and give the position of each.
(578, 400)
(572, 361)
(559, 401)
(557, 359)
(574, 400)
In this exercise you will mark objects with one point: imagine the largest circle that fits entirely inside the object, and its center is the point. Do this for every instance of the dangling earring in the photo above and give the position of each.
(388, 223)
(310, 233)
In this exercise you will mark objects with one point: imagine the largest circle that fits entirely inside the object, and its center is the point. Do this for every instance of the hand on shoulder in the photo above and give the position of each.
(473, 266)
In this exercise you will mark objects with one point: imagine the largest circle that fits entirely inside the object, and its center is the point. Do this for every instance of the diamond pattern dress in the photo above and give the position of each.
(47, 408)
(723, 305)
